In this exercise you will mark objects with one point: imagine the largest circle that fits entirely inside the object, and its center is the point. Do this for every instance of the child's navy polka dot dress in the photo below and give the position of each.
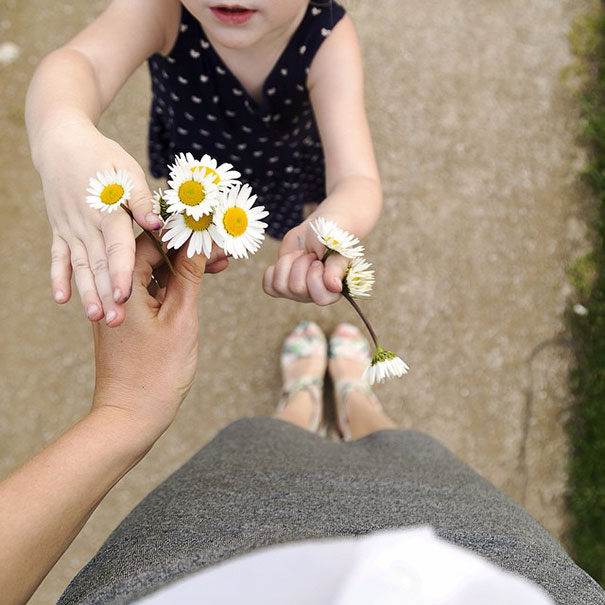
(200, 106)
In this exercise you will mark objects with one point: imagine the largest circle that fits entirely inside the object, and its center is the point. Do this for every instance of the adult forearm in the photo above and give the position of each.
(354, 204)
(45, 503)
(63, 91)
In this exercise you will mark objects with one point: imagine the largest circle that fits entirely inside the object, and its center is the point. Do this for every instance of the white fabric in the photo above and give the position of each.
(411, 566)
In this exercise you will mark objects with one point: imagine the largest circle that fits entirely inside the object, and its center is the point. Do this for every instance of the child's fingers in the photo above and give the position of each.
(183, 289)
(268, 281)
(297, 282)
(281, 275)
(119, 248)
(336, 265)
(60, 269)
(141, 205)
(114, 312)
(317, 289)
(85, 281)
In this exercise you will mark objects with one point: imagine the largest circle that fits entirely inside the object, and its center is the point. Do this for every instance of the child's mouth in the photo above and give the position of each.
(232, 14)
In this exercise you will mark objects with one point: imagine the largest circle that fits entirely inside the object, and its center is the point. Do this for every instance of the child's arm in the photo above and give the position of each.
(68, 93)
(354, 196)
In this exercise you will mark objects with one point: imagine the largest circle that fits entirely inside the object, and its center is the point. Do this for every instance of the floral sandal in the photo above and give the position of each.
(306, 340)
(347, 342)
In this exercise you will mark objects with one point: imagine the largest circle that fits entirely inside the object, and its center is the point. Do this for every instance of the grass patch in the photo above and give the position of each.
(586, 430)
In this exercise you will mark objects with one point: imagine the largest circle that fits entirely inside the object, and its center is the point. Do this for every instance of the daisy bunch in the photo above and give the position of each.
(206, 204)
(357, 282)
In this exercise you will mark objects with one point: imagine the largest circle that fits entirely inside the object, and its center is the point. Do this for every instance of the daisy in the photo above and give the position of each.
(159, 204)
(385, 364)
(237, 225)
(223, 176)
(110, 189)
(191, 193)
(182, 227)
(336, 239)
(359, 278)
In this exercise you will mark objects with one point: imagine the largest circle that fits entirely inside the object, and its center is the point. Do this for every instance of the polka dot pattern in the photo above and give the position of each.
(200, 106)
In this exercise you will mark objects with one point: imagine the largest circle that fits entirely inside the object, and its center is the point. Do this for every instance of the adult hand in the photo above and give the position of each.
(298, 274)
(145, 367)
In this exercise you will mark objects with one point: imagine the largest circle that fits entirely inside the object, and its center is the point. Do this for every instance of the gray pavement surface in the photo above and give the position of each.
(476, 140)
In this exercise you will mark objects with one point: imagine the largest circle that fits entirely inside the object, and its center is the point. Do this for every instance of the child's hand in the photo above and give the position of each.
(99, 246)
(299, 273)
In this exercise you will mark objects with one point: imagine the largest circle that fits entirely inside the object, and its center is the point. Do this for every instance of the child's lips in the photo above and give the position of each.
(232, 14)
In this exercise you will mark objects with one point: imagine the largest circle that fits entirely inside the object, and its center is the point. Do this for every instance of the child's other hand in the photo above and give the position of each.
(98, 246)
(299, 274)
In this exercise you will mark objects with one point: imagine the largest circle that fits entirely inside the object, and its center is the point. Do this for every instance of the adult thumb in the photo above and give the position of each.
(183, 288)
(141, 204)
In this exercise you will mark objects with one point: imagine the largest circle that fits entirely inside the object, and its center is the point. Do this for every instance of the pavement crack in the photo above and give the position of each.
(561, 340)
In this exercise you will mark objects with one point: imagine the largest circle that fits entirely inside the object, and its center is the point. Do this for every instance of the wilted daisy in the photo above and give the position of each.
(223, 176)
(237, 227)
(359, 278)
(191, 192)
(110, 189)
(384, 365)
(160, 206)
(336, 239)
(181, 227)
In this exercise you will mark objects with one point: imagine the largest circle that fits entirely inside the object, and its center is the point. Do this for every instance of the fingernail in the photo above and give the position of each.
(110, 317)
(154, 221)
(317, 263)
(117, 295)
(59, 295)
(92, 310)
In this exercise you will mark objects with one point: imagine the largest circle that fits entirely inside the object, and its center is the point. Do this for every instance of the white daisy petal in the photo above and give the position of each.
(336, 239)
(222, 176)
(236, 224)
(359, 278)
(181, 227)
(108, 190)
(385, 365)
(192, 193)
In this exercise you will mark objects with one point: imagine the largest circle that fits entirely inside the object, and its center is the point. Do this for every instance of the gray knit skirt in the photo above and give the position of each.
(262, 481)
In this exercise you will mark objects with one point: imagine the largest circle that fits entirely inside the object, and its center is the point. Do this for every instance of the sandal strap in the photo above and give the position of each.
(342, 388)
(314, 387)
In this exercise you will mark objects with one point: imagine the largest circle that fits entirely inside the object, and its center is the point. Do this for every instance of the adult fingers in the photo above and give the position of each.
(182, 290)
(60, 269)
(120, 249)
(335, 268)
(317, 289)
(141, 203)
(218, 266)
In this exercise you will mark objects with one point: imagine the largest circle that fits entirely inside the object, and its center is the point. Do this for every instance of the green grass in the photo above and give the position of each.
(586, 429)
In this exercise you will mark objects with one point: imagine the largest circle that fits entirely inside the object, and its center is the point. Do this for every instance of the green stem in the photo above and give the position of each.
(363, 318)
(156, 243)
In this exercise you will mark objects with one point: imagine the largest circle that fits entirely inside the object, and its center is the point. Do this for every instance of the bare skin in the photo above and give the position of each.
(364, 417)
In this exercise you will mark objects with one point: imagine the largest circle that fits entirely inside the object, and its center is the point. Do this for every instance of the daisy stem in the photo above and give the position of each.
(363, 318)
(156, 243)
(326, 254)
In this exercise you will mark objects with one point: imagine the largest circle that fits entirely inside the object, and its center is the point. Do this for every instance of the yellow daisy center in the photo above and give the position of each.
(112, 194)
(332, 241)
(235, 221)
(192, 193)
(200, 224)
